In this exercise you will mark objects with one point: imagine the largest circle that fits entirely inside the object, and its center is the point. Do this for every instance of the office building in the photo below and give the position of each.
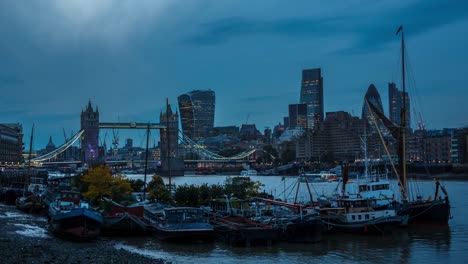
(395, 103)
(11, 144)
(373, 96)
(197, 110)
(459, 145)
(312, 96)
(298, 115)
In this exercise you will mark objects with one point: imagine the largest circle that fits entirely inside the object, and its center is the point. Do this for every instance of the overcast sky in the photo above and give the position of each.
(129, 56)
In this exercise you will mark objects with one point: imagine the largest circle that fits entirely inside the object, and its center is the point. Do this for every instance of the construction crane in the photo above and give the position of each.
(421, 125)
(65, 135)
(103, 141)
(115, 140)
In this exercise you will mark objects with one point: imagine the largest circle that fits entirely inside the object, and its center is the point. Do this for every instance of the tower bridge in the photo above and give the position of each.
(170, 136)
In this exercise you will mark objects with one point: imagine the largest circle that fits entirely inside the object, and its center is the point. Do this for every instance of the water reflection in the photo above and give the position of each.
(428, 244)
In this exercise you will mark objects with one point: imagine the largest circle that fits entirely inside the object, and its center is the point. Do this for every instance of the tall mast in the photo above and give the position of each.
(403, 118)
(146, 159)
(168, 134)
(26, 182)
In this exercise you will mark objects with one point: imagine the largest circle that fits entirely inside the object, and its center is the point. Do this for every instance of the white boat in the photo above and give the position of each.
(372, 185)
(247, 171)
(323, 176)
(360, 216)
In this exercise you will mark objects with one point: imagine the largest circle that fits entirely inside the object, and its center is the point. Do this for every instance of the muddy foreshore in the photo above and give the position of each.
(25, 239)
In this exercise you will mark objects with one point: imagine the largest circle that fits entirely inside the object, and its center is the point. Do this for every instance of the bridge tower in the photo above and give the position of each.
(90, 137)
(171, 120)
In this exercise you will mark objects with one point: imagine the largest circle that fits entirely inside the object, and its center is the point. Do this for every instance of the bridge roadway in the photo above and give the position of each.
(132, 125)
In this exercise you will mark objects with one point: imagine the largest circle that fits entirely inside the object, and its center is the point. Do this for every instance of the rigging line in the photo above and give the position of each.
(396, 69)
(386, 149)
(416, 98)
(419, 192)
(292, 189)
(291, 186)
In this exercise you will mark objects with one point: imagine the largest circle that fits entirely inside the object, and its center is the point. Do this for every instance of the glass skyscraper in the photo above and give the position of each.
(312, 96)
(298, 115)
(395, 99)
(374, 98)
(197, 109)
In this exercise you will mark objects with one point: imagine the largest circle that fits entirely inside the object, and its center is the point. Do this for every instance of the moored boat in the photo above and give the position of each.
(180, 224)
(247, 171)
(244, 231)
(71, 217)
(31, 204)
(123, 220)
(296, 222)
(359, 216)
(429, 211)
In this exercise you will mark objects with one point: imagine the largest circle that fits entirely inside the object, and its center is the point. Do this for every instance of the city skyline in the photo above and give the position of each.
(129, 57)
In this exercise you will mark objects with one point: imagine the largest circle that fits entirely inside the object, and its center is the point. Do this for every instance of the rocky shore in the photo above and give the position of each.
(24, 239)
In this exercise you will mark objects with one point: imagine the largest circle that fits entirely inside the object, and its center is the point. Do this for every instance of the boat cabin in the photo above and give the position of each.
(356, 210)
(376, 189)
(184, 214)
(67, 200)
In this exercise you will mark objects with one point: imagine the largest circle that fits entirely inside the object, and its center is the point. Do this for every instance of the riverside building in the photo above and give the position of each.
(11, 144)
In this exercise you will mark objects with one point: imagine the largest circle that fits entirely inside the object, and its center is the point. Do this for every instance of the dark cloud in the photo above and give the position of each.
(228, 28)
(53, 61)
(372, 29)
(263, 98)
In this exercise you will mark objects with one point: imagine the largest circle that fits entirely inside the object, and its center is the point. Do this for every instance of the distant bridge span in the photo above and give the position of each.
(132, 125)
(201, 150)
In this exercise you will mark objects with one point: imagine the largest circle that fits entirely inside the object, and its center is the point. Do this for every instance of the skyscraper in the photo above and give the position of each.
(197, 109)
(312, 95)
(374, 98)
(298, 115)
(395, 99)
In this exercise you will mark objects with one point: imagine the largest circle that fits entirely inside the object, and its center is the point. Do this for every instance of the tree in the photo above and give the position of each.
(241, 187)
(157, 190)
(121, 190)
(187, 195)
(99, 181)
(137, 184)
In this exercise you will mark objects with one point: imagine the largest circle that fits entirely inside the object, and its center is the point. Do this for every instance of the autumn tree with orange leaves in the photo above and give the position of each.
(100, 183)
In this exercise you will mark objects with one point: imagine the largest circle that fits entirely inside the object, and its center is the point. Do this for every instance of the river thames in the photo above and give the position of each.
(427, 244)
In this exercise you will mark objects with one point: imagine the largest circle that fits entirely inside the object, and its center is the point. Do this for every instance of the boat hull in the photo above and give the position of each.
(308, 230)
(31, 204)
(184, 235)
(435, 212)
(123, 225)
(240, 231)
(78, 224)
(374, 227)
